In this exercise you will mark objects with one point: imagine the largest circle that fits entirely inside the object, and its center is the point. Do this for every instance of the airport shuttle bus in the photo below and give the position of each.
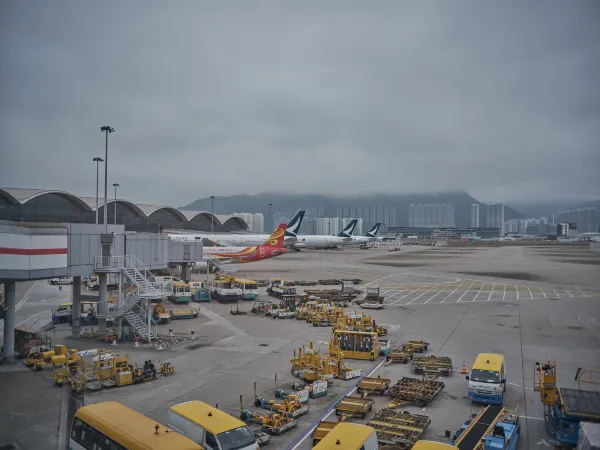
(487, 380)
(182, 292)
(349, 436)
(113, 426)
(249, 288)
(211, 427)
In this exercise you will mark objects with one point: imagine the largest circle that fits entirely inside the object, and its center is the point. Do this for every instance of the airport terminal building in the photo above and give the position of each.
(56, 206)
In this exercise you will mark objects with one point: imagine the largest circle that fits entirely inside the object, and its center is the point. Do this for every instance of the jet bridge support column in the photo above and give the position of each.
(9, 323)
(102, 306)
(76, 308)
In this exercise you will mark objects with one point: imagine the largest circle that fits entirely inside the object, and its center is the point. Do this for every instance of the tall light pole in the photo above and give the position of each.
(97, 160)
(116, 185)
(212, 213)
(329, 226)
(270, 218)
(106, 129)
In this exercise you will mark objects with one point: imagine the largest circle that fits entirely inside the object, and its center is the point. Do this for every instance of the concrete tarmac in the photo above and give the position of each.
(518, 301)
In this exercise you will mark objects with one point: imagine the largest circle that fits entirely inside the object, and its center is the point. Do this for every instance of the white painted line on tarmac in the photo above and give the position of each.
(478, 292)
(466, 290)
(493, 287)
(429, 290)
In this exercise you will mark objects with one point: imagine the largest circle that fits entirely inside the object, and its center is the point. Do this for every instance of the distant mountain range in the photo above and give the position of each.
(327, 206)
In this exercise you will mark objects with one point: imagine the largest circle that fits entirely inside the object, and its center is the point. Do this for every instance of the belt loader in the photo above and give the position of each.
(493, 428)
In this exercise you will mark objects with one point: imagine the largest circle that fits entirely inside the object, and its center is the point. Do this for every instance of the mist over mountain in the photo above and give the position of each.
(540, 209)
(327, 206)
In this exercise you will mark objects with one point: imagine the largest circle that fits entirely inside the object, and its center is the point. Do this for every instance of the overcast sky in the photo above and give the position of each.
(501, 99)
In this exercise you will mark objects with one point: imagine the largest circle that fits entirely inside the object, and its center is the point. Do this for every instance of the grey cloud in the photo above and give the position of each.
(500, 99)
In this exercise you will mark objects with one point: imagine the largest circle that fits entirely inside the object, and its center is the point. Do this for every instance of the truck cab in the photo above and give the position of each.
(487, 379)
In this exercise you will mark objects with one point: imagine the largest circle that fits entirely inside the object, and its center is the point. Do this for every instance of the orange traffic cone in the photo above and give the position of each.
(463, 369)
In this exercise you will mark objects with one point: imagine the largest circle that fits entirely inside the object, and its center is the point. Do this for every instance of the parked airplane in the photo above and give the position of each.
(293, 227)
(271, 248)
(323, 241)
(369, 236)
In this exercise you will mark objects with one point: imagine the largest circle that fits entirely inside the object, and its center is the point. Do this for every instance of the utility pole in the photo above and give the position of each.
(116, 185)
(97, 160)
(106, 129)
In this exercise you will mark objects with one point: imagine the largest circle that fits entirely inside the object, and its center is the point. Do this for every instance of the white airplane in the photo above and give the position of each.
(323, 241)
(227, 240)
(369, 236)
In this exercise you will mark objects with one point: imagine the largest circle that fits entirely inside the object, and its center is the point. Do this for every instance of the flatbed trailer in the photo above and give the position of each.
(354, 406)
(401, 429)
(420, 392)
(415, 346)
(322, 430)
(437, 365)
(494, 427)
(398, 356)
(377, 385)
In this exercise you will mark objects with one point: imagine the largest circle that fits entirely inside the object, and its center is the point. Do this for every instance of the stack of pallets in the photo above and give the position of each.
(432, 365)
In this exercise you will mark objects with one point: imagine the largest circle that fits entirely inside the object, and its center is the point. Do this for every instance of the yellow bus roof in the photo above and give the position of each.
(180, 283)
(365, 333)
(431, 445)
(488, 361)
(351, 436)
(208, 417)
(132, 429)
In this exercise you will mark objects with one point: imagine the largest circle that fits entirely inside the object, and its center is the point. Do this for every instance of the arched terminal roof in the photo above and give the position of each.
(18, 196)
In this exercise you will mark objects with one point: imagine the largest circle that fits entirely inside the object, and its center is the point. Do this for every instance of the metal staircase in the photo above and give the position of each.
(146, 288)
(221, 269)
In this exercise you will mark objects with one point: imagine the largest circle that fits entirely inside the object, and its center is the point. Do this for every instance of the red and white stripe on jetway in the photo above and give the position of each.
(32, 252)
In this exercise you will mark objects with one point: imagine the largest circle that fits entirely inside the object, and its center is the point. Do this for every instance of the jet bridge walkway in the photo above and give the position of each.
(470, 439)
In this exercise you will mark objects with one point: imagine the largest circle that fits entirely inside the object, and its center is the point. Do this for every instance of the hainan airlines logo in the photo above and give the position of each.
(274, 239)
(262, 252)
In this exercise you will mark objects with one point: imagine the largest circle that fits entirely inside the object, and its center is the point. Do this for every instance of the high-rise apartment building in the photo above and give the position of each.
(256, 222)
(432, 215)
(587, 219)
(475, 215)
(495, 217)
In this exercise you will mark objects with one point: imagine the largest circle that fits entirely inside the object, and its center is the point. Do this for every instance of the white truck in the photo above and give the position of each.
(112, 282)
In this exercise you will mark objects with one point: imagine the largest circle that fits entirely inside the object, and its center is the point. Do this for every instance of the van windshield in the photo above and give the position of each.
(235, 439)
(485, 376)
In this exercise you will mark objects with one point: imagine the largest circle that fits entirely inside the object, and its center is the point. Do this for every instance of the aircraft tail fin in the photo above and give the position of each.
(277, 237)
(349, 229)
(373, 231)
(293, 227)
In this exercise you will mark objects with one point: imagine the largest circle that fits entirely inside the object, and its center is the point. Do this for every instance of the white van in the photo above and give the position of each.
(210, 427)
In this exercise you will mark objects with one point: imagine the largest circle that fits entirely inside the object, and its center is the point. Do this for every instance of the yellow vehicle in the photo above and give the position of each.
(431, 445)
(349, 436)
(182, 292)
(354, 345)
(211, 427)
(487, 380)
(112, 425)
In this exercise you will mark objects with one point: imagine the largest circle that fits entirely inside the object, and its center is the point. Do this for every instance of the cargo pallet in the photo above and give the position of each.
(399, 428)
(432, 365)
(354, 406)
(377, 385)
(419, 391)
(322, 430)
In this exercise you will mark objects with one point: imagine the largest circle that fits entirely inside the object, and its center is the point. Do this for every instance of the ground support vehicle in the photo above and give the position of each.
(160, 316)
(290, 407)
(415, 346)
(400, 428)
(181, 292)
(371, 305)
(354, 345)
(494, 427)
(29, 341)
(373, 295)
(200, 295)
(223, 289)
(322, 430)
(283, 314)
(272, 423)
(301, 395)
(565, 409)
(377, 385)
(37, 360)
(397, 355)
(384, 347)
(279, 291)
(420, 392)
(289, 300)
(321, 322)
(261, 307)
(432, 366)
(181, 314)
(354, 406)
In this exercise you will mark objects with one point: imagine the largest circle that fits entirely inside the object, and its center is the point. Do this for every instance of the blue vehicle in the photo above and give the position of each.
(494, 426)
